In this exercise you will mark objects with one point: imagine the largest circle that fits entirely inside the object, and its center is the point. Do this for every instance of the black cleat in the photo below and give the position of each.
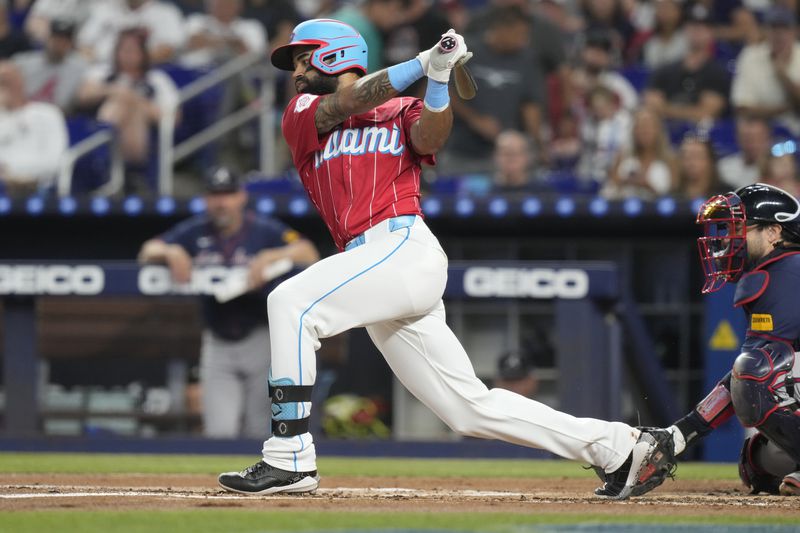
(262, 478)
(651, 461)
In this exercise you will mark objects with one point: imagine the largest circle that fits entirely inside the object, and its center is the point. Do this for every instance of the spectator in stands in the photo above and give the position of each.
(513, 164)
(597, 59)
(189, 7)
(33, 136)
(565, 146)
(372, 19)
(695, 88)
(767, 79)
(424, 24)
(550, 43)
(612, 17)
(161, 20)
(311, 9)
(516, 371)
(698, 176)
(220, 35)
(781, 170)
(278, 17)
(12, 41)
(44, 12)
(458, 14)
(647, 167)
(668, 43)
(565, 14)
(744, 167)
(546, 39)
(235, 356)
(55, 73)
(603, 135)
(509, 97)
(731, 21)
(130, 95)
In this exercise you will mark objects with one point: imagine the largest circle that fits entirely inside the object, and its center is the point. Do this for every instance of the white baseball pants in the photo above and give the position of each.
(393, 284)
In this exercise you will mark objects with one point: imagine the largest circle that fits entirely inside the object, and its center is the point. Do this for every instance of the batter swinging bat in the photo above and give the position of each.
(465, 83)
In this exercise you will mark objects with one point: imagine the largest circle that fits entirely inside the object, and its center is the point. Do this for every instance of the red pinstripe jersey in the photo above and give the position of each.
(361, 172)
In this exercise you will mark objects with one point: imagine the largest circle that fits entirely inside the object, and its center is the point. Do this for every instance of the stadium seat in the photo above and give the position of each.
(569, 183)
(92, 170)
(199, 112)
(723, 137)
(637, 76)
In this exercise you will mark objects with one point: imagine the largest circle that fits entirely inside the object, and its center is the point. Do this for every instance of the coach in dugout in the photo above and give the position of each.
(235, 349)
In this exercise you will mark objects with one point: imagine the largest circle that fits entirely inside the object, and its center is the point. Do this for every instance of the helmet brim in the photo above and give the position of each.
(281, 57)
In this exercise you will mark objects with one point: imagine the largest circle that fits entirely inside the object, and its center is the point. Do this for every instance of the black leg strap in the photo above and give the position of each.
(290, 428)
(290, 393)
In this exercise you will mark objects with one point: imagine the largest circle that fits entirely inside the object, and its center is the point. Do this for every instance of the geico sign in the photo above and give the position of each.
(157, 280)
(485, 282)
(51, 279)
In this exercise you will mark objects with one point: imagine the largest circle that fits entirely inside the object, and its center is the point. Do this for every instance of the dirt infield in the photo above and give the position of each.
(560, 495)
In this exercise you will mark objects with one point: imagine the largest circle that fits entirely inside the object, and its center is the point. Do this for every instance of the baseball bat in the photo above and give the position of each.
(465, 83)
(463, 79)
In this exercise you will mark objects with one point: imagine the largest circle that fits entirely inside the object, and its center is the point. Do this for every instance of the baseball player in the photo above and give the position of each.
(235, 355)
(358, 150)
(752, 236)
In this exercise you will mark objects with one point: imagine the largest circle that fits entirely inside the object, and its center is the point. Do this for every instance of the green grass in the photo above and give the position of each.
(271, 518)
(250, 521)
(328, 466)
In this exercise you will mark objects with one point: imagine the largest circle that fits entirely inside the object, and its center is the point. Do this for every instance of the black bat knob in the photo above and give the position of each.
(447, 44)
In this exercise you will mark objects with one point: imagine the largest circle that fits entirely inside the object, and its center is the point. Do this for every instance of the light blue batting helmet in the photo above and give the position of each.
(339, 47)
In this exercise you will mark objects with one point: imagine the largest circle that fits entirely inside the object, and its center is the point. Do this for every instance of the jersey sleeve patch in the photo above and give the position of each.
(303, 102)
(761, 322)
(290, 236)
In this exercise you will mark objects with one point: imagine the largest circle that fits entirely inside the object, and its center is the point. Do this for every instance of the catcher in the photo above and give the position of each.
(752, 236)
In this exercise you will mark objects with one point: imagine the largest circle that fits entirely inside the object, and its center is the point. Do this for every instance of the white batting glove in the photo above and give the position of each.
(440, 60)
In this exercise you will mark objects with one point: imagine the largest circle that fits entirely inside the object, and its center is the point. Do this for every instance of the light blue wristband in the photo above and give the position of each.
(437, 97)
(404, 74)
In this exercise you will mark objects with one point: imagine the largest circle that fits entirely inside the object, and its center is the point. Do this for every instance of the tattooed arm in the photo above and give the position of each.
(428, 134)
(359, 97)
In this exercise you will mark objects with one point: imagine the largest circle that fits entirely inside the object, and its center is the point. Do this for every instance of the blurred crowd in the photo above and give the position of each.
(615, 97)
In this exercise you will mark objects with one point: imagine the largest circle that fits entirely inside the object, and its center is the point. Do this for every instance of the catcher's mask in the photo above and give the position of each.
(723, 247)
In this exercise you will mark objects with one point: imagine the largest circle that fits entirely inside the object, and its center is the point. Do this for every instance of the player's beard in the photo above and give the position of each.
(316, 83)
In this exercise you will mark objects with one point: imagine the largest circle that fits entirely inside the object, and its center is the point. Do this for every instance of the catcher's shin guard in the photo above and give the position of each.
(762, 390)
(763, 464)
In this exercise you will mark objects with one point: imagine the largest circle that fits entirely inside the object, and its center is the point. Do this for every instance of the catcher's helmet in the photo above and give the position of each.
(339, 47)
(767, 203)
(725, 217)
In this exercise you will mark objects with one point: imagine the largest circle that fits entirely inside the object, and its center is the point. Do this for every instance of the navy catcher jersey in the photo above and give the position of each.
(769, 296)
(235, 319)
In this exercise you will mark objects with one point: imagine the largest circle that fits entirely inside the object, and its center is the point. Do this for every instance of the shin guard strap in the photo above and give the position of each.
(290, 428)
(290, 393)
